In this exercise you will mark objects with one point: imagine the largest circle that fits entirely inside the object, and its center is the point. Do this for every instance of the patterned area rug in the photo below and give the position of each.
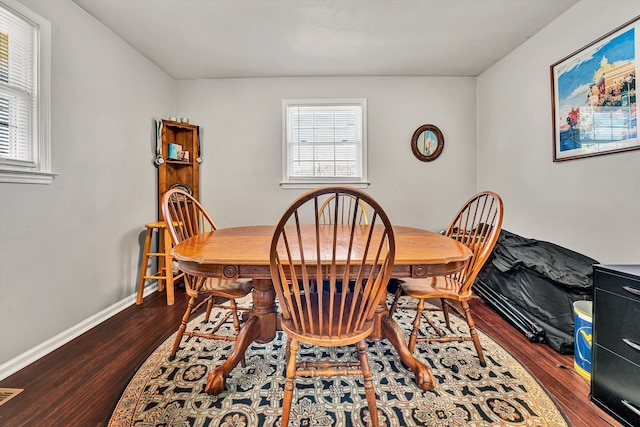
(170, 393)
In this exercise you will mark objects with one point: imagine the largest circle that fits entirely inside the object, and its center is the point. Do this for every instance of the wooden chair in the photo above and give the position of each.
(185, 218)
(477, 224)
(346, 206)
(308, 274)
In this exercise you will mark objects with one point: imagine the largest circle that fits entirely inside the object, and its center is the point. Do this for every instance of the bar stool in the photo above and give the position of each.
(164, 276)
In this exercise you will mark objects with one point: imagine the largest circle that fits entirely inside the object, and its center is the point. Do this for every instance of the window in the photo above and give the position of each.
(324, 142)
(25, 49)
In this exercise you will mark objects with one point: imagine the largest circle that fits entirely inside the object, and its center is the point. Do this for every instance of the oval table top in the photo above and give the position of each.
(249, 245)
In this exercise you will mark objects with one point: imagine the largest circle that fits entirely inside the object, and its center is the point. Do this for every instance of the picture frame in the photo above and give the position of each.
(174, 151)
(427, 143)
(183, 156)
(593, 96)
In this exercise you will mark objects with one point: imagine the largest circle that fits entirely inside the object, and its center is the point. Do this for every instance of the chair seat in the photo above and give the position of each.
(434, 287)
(329, 336)
(227, 288)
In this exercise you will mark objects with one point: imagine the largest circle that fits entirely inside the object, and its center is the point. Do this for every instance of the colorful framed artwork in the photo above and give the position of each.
(594, 97)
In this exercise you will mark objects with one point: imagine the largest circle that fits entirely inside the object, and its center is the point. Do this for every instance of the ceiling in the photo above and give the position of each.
(201, 39)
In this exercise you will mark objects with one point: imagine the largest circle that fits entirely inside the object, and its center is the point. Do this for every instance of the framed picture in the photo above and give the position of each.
(427, 143)
(174, 151)
(594, 96)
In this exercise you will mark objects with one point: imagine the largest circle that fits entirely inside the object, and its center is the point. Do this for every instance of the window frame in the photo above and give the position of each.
(288, 181)
(38, 171)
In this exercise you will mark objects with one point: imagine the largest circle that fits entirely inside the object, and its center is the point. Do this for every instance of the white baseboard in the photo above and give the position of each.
(30, 356)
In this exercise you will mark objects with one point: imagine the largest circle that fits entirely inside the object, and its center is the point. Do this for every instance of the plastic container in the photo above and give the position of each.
(583, 321)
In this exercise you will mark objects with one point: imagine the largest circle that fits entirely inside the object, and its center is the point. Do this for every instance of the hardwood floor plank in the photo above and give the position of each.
(554, 371)
(80, 383)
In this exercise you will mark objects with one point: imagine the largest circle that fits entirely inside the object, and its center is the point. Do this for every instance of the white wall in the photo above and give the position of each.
(72, 248)
(590, 205)
(241, 134)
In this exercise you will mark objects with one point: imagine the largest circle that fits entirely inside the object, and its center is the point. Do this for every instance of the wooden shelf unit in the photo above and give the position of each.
(173, 172)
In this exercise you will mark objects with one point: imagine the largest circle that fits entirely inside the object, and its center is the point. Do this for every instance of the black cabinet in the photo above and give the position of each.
(615, 376)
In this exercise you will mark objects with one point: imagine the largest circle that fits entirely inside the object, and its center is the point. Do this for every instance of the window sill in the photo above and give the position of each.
(26, 177)
(309, 185)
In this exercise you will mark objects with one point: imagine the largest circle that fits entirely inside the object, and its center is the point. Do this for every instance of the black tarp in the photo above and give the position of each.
(539, 281)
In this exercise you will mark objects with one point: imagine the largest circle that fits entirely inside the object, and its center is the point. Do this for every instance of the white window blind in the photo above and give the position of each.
(324, 141)
(24, 133)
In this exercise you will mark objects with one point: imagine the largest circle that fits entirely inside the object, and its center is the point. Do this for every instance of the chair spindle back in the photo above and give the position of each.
(340, 269)
(184, 215)
(477, 225)
(345, 205)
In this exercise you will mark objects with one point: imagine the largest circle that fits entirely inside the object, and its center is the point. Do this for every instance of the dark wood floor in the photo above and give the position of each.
(80, 383)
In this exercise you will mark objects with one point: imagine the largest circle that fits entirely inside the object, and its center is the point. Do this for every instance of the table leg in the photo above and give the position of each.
(218, 377)
(264, 308)
(422, 372)
(260, 327)
(386, 327)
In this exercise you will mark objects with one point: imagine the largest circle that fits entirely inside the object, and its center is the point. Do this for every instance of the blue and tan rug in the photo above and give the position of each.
(170, 393)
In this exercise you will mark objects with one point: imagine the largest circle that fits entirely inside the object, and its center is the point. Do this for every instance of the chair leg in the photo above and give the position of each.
(144, 266)
(416, 325)
(292, 350)
(183, 327)
(395, 301)
(445, 311)
(474, 333)
(287, 350)
(168, 264)
(236, 325)
(368, 384)
(209, 307)
(234, 310)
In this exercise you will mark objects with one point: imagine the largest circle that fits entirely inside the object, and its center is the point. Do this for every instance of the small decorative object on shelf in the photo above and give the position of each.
(183, 156)
(174, 151)
(159, 159)
(199, 152)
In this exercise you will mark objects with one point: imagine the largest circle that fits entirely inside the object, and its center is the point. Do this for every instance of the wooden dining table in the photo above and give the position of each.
(243, 252)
